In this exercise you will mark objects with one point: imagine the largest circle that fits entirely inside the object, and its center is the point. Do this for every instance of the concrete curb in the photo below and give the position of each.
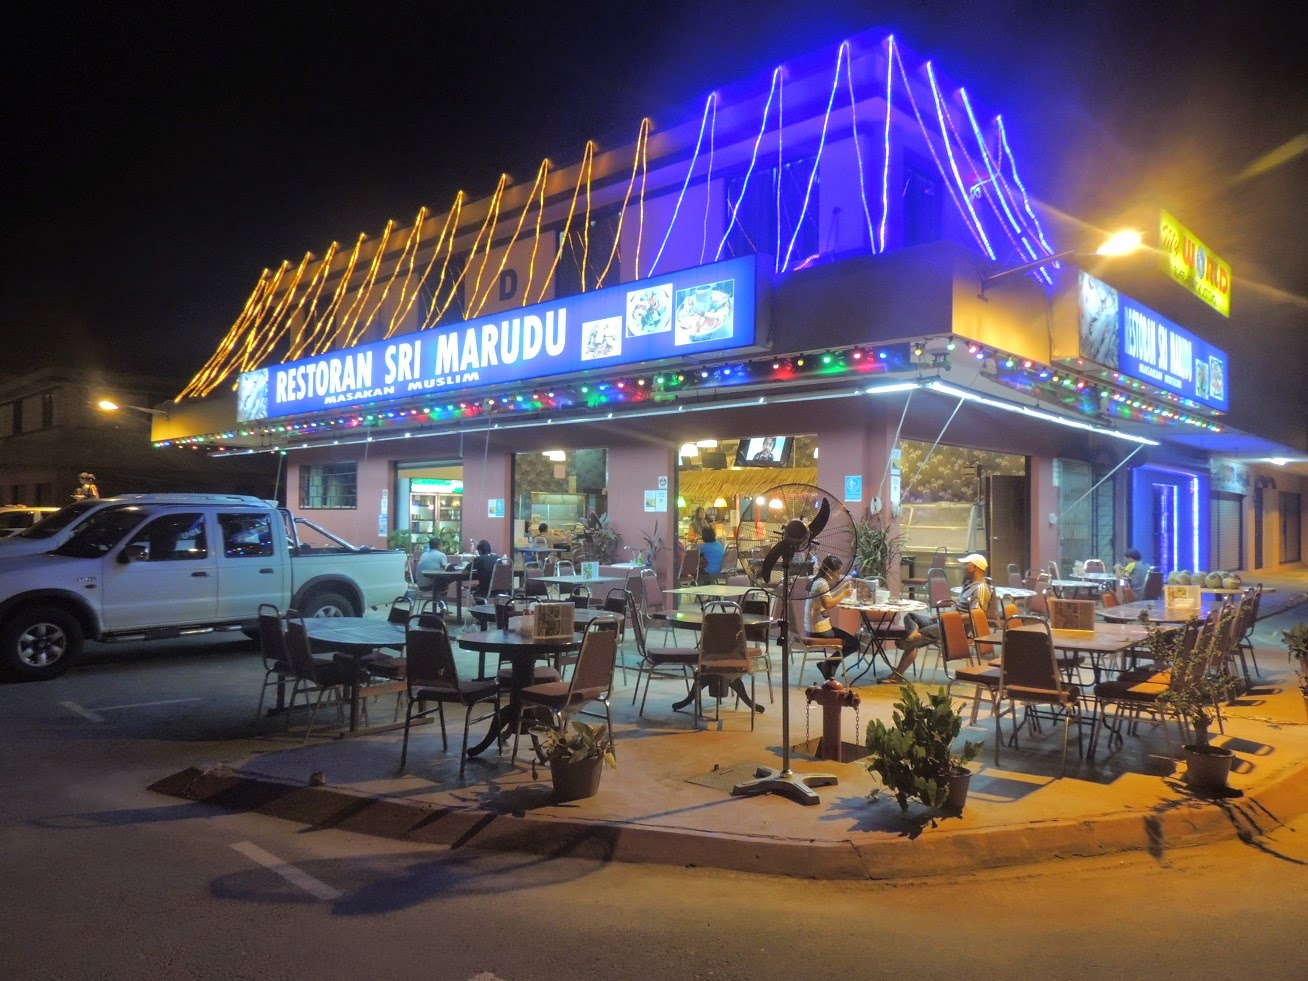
(1178, 824)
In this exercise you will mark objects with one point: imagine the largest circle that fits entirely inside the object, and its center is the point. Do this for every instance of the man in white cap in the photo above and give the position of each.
(925, 629)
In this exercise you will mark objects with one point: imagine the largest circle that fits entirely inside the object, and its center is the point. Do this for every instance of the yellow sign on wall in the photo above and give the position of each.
(1191, 264)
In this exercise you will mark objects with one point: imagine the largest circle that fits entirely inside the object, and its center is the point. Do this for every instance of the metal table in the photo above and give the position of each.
(484, 614)
(356, 638)
(523, 652)
(878, 621)
(1158, 613)
(444, 579)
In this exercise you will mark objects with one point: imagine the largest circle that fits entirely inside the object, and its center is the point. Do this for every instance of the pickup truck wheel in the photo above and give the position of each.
(40, 643)
(328, 604)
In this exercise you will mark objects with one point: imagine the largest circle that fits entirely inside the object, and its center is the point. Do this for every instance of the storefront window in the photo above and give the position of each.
(430, 504)
(720, 476)
(557, 488)
(945, 496)
(329, 485)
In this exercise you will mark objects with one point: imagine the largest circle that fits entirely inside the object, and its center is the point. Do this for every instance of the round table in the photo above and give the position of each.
(484, 614)
(878, 620)
(522, 652)
(354, 637)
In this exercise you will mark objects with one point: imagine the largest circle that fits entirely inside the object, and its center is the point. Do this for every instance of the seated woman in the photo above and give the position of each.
(816, 618)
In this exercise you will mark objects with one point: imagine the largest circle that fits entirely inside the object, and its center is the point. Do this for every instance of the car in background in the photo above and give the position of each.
(15, 518)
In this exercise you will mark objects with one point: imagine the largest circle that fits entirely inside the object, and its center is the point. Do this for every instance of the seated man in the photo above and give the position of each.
(1134, 569)
(432, 560)
(925, 629)
(483, 568)
(711, 553)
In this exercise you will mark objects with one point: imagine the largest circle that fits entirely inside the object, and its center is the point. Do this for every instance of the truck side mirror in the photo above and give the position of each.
(136, 552)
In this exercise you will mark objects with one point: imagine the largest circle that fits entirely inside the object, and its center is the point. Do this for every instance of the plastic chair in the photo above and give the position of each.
(432, 678)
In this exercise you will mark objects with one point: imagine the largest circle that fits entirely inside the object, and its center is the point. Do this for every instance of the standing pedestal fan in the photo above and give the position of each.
(804, 524)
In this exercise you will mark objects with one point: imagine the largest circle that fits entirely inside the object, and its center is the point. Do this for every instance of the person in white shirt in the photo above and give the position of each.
(432, 560)
(976, 593)
(821, 598)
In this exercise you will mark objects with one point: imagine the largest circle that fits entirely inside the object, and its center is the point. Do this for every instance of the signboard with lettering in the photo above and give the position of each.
(684, 314)
(1189, 262)
(1117, 332)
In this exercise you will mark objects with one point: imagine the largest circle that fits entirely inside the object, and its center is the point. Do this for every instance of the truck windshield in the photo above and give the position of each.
(52, 524)
(100, 532)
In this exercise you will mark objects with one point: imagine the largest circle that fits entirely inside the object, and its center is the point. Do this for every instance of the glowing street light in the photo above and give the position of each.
(1118, 244)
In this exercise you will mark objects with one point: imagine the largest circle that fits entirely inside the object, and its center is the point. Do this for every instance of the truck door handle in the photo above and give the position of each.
(265, 572)
(199, 575)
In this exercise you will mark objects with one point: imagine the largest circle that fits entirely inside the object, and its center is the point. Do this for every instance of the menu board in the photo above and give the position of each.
(1182, 597)
(1072, 614)
(554, 621)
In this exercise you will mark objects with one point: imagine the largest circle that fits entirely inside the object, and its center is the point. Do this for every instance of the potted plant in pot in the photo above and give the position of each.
(653, 545)
(1296, 639)
(913, 757)
(1197, 684)
(577, 755)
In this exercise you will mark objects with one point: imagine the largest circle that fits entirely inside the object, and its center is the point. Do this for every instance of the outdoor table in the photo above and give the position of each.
(1075, 588)
(1103, 577)
(1004, 592)
(694, 620)
(1158, 613)
(587, 581)
(712, 591)
(1103, 644)
(877, 619)
(356, 637)
(523, 652)
(440, 581)
(484, 614)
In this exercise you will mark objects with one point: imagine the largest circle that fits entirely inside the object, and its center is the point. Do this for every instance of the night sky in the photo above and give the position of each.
(162, 154)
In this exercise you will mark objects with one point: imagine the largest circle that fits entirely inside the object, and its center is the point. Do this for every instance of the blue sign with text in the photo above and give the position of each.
(692, 312)
(1118, 332)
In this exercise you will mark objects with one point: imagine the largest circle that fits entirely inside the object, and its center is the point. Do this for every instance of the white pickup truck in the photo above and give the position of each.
(156, 569)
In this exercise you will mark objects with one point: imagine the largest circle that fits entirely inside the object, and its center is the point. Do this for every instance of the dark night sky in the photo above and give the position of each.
(162, 154)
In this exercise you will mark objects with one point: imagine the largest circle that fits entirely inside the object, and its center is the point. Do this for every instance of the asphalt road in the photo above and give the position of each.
(100, 878)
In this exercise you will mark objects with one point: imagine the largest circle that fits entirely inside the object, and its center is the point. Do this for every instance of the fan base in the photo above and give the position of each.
(796, 786)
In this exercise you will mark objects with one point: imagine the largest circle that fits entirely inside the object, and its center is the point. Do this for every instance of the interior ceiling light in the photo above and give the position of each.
(688, 449)
(707, 444)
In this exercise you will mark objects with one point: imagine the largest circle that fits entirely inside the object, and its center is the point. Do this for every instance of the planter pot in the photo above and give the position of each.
(958, 780)
(576, 779)
(1207, 767)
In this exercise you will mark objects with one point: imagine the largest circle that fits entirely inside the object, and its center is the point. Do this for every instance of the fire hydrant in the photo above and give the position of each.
(832, 696)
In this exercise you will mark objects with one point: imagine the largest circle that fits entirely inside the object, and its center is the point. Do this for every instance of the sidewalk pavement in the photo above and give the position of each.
(669, 801)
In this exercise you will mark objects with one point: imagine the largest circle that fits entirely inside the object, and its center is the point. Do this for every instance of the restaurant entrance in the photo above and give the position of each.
(429, 503)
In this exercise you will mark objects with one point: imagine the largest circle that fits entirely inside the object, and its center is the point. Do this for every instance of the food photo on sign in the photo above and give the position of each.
(704, 312)
(649, 310)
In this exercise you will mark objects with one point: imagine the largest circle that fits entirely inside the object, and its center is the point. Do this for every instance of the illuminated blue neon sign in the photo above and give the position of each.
(683, 314)
(1118, 332)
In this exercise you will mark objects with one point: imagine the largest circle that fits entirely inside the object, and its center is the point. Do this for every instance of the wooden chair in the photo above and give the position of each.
(432, 679)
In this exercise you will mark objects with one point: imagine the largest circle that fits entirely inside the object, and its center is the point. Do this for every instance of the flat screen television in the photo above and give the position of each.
(765, 451)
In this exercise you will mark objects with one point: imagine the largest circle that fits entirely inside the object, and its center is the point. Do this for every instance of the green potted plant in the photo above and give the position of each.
(1296, 640)
(602, 541)
(577, 756)
(913, 757)
(653, 545)
(1198, 685)
(876, 551)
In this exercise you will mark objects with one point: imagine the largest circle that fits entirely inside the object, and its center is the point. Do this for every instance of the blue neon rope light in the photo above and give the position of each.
(953, 164)
(817, 160)
(753, 157)
(690, 170)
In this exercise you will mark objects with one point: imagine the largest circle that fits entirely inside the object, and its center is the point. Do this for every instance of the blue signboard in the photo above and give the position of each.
(683, 314)
(853, 488)
(1118, 332)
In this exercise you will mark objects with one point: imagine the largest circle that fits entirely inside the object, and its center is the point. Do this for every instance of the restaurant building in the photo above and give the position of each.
(857, 294)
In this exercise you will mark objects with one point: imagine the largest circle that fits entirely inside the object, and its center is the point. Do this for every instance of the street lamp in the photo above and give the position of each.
(1118, 244)
(110, 406)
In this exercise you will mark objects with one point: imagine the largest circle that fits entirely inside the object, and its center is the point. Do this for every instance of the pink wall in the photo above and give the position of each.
(859, 444)
(488, 476)
(633, 469)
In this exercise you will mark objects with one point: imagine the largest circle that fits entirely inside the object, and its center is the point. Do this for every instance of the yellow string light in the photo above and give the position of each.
(349, 330)
(541, 173)
(451, 224)
(641, 139)
(322, 332)
(535, 241)
(279, 324)
(194, 386)
(252, 334)
(303, 320)
(488, 229)
(588, 155)
(412, 245)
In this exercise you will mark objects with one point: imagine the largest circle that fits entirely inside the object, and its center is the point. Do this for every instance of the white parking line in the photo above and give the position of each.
(314, 887)
(137, 705)
(83, 712)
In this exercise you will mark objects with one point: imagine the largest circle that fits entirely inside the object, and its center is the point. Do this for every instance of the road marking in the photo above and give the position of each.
(137, 705)
(296, 877)
(83, 712)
